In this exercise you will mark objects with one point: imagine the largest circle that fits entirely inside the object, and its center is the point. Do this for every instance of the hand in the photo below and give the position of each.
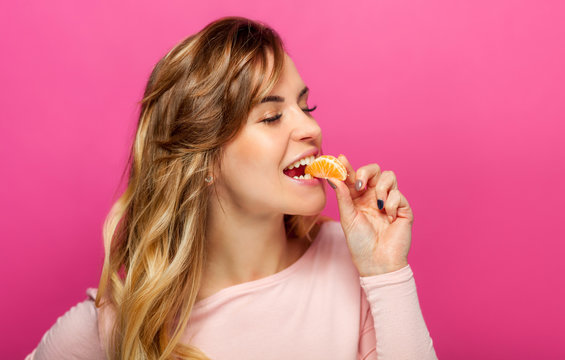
(378, 240)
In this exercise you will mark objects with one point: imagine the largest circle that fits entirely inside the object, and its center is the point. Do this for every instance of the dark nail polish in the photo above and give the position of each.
(331, 184)
(380, 204)
(358, 185)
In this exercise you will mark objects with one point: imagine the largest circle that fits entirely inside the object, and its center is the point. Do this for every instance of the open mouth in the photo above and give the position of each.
(296, 170)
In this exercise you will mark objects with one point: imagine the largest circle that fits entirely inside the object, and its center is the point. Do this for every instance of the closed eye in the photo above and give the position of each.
(278, 116)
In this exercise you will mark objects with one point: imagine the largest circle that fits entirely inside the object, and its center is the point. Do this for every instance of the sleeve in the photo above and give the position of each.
(392, 325)
(73, 336)
(367, 338)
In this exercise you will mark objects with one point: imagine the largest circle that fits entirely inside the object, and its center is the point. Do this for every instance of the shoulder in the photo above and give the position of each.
(331, 229)
(331, 235)
(74, 335)
(334, 250)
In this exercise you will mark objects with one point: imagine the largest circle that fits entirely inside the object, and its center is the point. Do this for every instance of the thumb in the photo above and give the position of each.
(344, 201)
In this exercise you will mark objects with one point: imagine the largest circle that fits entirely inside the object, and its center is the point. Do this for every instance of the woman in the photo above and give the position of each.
(214, 251)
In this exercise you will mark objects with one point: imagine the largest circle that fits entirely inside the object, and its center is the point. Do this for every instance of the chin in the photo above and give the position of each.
(309, 208)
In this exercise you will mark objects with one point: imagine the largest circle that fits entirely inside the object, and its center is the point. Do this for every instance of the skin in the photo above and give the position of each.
(378, 239)
(246, 235)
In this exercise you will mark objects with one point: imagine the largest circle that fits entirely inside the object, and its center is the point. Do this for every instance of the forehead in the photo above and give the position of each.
(289, 75)
(289, 79)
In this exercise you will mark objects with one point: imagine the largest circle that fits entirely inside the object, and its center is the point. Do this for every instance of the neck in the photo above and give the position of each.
(243, 247)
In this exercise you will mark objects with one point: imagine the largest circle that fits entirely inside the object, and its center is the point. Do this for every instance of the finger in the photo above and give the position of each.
(369, 175)
(404, 209)
(344, 202)
(398, 206)
(386, 182)
(350, 180)
(392, 203)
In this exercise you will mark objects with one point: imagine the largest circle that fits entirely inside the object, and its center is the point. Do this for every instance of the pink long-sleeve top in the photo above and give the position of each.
(317, 308)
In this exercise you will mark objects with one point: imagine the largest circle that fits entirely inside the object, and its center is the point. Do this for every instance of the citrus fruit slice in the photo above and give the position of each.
(326, 166)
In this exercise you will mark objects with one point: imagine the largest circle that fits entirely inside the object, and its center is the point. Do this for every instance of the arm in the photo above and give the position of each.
(73, 336)
(393, 318)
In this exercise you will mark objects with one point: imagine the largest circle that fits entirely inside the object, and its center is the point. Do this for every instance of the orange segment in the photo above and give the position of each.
(326, 166)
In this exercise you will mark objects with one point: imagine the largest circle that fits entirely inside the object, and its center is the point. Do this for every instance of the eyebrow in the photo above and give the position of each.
(276, 98)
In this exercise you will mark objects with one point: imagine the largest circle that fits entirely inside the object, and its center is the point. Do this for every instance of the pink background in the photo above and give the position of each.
(463, 100)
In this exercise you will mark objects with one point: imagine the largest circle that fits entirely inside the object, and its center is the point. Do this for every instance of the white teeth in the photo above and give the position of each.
(306, 161)
(303, 177)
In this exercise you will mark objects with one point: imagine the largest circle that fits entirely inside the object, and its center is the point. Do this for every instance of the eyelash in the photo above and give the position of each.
(278, 116)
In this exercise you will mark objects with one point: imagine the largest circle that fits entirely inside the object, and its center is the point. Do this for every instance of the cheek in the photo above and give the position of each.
(254, 156)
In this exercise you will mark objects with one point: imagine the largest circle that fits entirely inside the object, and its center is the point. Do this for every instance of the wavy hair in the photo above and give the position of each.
(197, 98)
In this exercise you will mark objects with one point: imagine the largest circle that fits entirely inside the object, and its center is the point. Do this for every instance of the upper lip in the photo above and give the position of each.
(313, 151)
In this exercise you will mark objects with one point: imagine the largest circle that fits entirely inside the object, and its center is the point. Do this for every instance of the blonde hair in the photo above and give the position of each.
(197, 98)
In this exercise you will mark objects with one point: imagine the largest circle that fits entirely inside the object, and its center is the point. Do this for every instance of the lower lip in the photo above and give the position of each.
(311, 182)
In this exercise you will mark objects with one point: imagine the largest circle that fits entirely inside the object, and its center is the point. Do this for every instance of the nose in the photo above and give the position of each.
(305, 127)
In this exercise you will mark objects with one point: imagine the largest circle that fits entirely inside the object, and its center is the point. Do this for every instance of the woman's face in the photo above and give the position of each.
(252, 176)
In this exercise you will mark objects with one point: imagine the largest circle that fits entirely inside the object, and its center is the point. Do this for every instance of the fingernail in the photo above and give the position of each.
(331, 184)
(380, 204)
(390, 218)
(358, 185)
